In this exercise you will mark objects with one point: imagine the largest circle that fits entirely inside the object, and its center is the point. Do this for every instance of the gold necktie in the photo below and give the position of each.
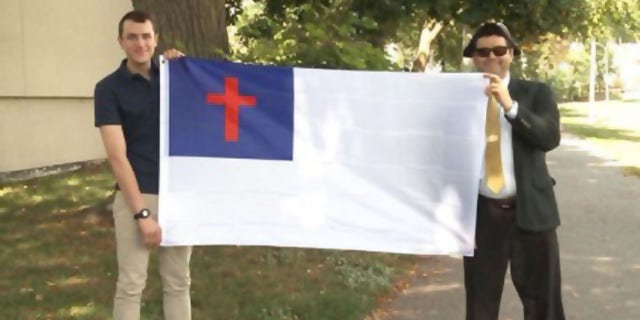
(492, 157)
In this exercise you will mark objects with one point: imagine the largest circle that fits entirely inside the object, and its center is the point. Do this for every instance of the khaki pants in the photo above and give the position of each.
(133, 258)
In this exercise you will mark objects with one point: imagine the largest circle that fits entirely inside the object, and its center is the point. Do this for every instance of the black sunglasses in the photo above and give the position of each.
(497, 51)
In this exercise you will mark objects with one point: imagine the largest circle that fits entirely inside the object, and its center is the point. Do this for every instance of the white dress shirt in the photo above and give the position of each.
(506, 152)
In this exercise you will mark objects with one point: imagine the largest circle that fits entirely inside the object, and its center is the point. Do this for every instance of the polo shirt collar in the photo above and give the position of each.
(124, 71)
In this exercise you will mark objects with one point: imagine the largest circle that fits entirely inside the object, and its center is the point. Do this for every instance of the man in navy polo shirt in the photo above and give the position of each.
(127, 113)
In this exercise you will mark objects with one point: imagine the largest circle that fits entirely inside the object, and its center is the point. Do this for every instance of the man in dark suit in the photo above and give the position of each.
(517, 212)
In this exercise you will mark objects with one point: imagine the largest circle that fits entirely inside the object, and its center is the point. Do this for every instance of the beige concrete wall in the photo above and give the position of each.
(53, 53)
(44, 132)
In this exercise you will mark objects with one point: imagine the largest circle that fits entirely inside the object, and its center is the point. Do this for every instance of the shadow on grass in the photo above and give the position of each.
(570, 113)
(593, 131)
(54, 244)
(58, 254)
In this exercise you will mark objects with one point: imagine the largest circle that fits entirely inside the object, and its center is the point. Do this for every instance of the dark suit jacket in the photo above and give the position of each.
(535, 130)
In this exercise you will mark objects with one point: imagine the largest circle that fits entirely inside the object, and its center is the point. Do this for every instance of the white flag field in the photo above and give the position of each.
(295, 157)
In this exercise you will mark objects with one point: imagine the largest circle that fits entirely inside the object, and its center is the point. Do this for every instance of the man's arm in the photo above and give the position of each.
(540, 128)
(116, 148)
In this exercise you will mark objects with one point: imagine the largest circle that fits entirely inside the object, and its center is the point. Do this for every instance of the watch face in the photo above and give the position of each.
(144, 213)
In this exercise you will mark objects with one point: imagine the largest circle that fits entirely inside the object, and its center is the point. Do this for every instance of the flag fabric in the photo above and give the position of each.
(295, 157)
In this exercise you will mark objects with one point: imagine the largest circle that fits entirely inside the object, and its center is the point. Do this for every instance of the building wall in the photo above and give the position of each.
(53, 53)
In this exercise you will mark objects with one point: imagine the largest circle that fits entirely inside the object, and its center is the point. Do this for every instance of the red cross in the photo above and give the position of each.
(231, 101)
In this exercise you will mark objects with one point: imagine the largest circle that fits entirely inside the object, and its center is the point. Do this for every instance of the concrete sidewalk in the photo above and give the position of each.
(599, 243)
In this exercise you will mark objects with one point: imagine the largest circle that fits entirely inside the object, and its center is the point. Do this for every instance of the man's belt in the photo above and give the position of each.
(505, 203)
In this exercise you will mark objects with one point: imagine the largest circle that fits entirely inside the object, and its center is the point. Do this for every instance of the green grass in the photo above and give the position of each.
(615, 129)
(58, 259)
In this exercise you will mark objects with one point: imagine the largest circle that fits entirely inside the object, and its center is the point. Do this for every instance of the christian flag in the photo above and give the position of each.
(293, 157)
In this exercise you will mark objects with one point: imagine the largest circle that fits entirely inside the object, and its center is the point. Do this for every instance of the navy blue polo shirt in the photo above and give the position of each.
(130, 100)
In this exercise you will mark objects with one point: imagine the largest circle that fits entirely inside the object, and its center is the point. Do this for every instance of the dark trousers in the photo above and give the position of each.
(535, 266)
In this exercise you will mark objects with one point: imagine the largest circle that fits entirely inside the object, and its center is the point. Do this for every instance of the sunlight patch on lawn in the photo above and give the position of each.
(78, 311)
(72, 281)
(73, 182)
(5, 191)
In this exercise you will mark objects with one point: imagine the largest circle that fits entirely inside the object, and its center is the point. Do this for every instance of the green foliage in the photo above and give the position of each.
(612, 19)
(312, 34)
(234, 9)
(559, 63)
(383, 34)
(361, 272)
(570, 79)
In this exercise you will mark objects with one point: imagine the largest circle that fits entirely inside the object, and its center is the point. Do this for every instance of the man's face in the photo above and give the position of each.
(487, 56)
(138, 41)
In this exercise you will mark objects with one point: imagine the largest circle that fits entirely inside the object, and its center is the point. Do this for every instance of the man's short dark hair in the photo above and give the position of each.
(135, 16)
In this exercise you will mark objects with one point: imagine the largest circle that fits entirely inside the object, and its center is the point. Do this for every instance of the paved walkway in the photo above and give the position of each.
(599, 244)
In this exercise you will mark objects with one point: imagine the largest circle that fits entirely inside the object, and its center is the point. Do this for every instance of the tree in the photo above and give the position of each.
(354, 34)
(607, 19)
(324, 34)
(196, 27)
(312, 32)
(429, 32)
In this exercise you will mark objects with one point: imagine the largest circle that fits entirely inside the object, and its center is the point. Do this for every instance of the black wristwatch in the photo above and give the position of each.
(143, 214)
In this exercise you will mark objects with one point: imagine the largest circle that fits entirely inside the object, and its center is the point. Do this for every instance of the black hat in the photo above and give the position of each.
(490, 29)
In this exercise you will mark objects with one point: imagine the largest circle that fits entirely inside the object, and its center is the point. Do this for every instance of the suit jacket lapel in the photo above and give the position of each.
(514, 88)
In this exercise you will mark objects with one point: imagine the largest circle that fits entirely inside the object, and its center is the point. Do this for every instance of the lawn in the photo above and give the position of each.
(59, 263)
(59, 258)
(615, 130)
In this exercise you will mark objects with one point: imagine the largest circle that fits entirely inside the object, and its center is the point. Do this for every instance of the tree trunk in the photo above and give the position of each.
(429, 32)
(196, 27)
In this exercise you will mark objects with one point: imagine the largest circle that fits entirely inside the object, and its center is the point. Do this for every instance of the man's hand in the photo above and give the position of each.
(498, 90)
(172, 54)
(151, 232)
